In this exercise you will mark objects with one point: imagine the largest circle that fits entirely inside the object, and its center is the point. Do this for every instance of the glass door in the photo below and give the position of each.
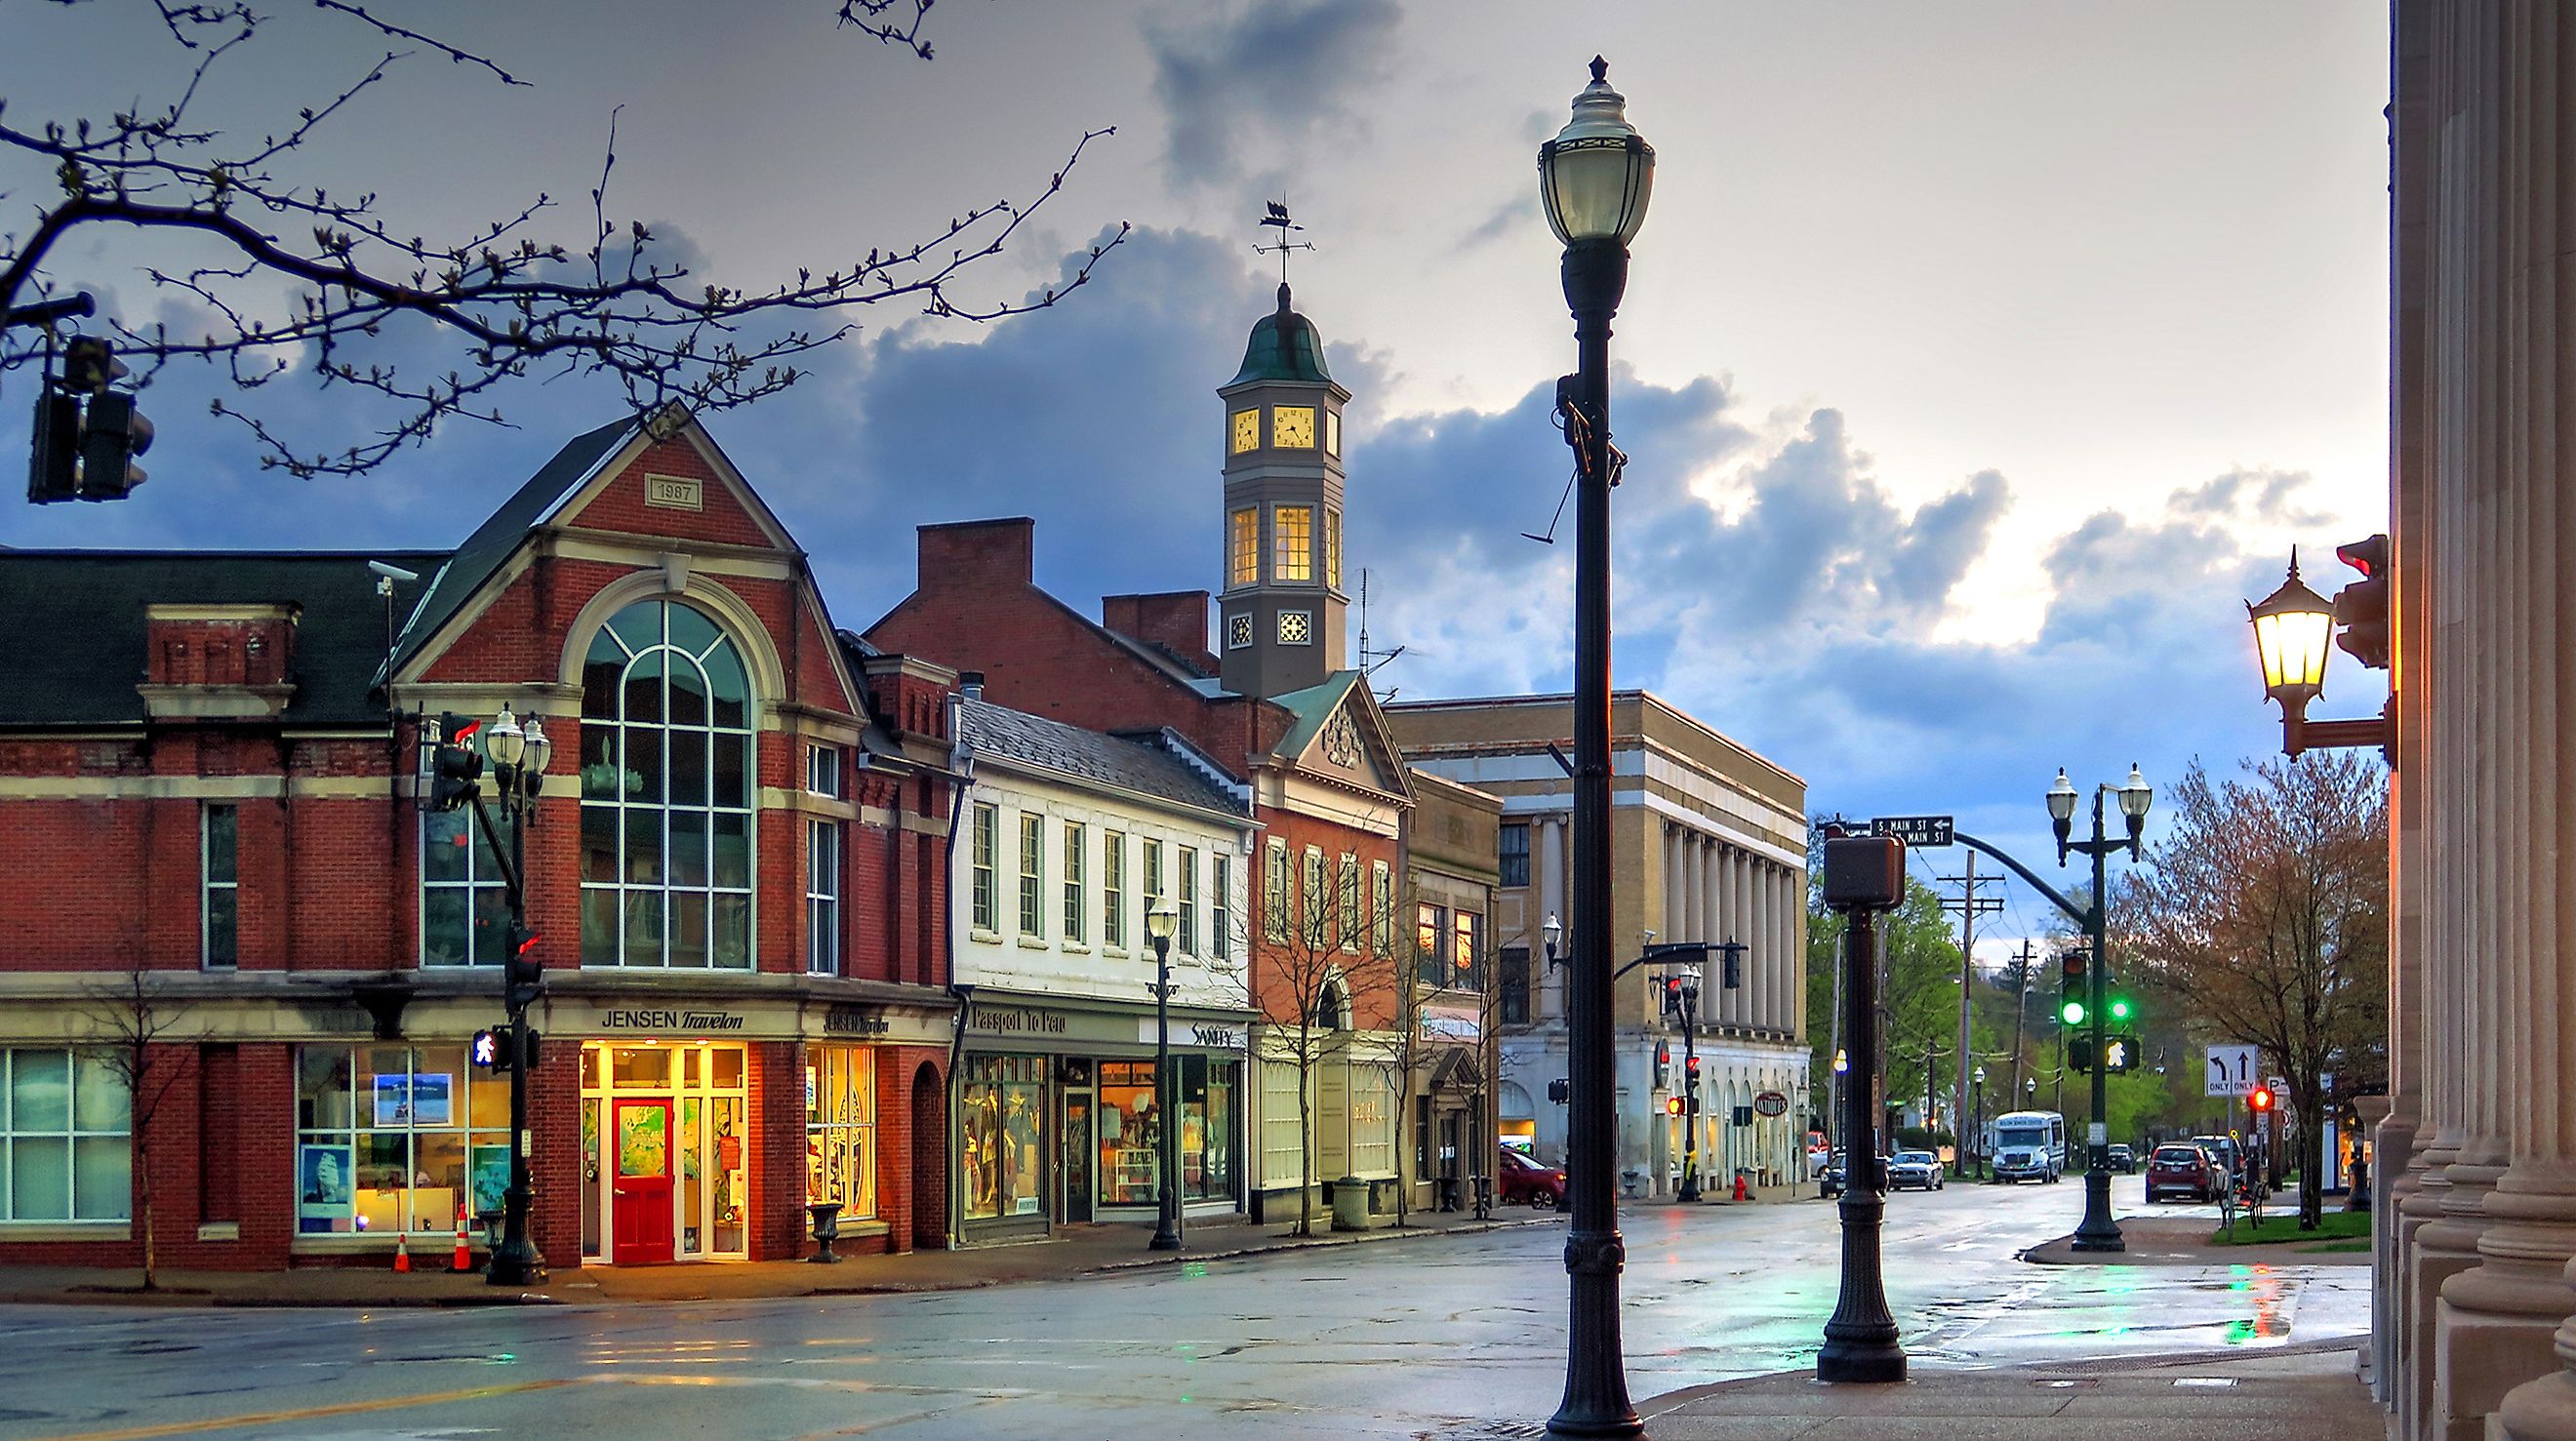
(1076, 1143)
(642, 1145)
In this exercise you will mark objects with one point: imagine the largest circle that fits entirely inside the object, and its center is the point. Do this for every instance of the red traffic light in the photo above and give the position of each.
(2260, 1099)
(2370, 557)
(1672, 1105)
(2071, 964)
(1692, 1066)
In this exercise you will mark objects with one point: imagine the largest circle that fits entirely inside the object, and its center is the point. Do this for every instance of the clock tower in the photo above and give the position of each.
(1281, 611)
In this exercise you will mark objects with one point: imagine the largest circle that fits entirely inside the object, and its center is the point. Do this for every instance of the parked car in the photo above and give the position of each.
(2223, 1150)
(1525, 1180)
(1829, 1181)
(2123, 1160)
(2183, 1169)
(1920, 1169)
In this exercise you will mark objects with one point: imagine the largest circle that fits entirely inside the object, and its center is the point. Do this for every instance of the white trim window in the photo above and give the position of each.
(823, 869)
(1274, 891)
(219, 886)
(1382, 903)
(1221, 909)
(1316, 910)
(464, 908)
(1346, 886)
(66, 1137)
(1032, 874)
(1113, 890)
(1077, 930)
(1153, 872)
(987, 881)
(1188, 860)
(666, 793)
(823, 771)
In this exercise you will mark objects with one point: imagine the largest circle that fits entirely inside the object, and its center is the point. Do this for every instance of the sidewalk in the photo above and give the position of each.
(2276, 1396)
(1075, 1251)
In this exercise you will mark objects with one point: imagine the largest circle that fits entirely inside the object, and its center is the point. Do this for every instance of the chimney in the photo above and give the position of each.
(977, 554)
(970, 684)
(1174, 620)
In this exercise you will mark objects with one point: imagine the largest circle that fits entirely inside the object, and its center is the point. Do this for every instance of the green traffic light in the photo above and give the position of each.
(2119, 1008)
(2073, 1013)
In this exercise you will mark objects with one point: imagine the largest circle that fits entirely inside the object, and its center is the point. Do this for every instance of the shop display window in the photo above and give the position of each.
(840, 1128)
(668, 1130)
(1131, 1123)
(66, 1151)
(397, 1139)
(1001, 1136)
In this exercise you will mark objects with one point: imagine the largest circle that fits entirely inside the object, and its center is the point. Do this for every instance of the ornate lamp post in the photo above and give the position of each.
(1864, 878)
(2293, 634)
(1686, 1006)
(518, 765)
(1594, 179)
(1161, 919)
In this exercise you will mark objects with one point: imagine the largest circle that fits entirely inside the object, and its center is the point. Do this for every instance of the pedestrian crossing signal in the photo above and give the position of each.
(490, 1050)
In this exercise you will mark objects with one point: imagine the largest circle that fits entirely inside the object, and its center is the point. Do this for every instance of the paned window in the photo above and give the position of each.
(1515, 987)
(1381, 908)
(823, 771)
(1131, 1122)
(1346, 889)
(464, 909)
(1153, 874)
(1317, 912)
(1283, 1145)
(1515, 854)
(1274, 891)
(1373, 1112)
(66, 1147)
(1032, 867)
(840, 1128)
(219, 902)
(1292, 533)
(1075, 931)
(987, 881)
(1243, 547)
(1430, 924)
(666, 798)
(1113, 889)
(1221, 909)
(397, 1139)
(1332, 548)
(1188, 861)
(823, 898)
(1466, 959)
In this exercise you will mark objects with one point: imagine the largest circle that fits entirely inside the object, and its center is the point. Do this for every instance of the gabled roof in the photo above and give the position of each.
(75, 645)
(1142, 765)
(1315, 705)
(500, 533)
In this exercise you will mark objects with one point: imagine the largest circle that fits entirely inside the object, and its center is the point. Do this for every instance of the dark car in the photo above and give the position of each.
(2123, 1160)
(1831, 1182)
(2182, 1170)
(1920, 1169)
(1525, 1180)
(2222, 1149)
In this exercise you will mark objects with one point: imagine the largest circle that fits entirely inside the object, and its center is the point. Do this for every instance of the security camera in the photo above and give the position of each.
(392, 572)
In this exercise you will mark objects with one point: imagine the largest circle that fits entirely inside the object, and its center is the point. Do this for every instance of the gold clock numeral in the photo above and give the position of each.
(1292, 427)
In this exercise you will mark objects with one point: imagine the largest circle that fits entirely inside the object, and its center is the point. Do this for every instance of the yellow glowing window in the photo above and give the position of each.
(1292, 528)
(1333, 549)
(1243, 547)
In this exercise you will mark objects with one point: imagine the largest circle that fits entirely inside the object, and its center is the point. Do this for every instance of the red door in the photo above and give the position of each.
(642, 1206)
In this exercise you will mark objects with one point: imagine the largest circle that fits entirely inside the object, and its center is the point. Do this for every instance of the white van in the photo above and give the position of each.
(2027, 1145)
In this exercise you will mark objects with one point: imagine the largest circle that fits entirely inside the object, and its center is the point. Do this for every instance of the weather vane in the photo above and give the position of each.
(1278, 220)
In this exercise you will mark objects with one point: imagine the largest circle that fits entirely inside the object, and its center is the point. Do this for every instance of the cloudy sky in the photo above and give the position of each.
(1978, 358)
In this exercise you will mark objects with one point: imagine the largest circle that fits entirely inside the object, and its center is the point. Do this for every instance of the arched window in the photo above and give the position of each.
(666, 777)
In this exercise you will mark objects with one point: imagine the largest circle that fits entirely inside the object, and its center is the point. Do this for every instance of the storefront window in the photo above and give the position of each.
(65, 1147)
(685, 1191)
(1131, 1132)
(1372, 1121)
(397, 1138)
(1002, 1129)
(840, 1128)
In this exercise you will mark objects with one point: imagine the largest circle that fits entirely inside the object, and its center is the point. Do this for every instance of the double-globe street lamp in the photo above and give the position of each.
(452, 778)
(2098, 1231)
(1594, 180)
(1161, 919)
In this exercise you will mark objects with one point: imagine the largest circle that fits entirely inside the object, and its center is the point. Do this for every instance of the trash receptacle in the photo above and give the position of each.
(1350, 1204)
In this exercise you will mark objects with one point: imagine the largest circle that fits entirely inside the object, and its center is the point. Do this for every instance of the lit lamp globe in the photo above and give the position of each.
(1161, 920)
(2061, 810)
(2293, 628)
(540, 749)
(1595, 176)
(505, 742)
(2135, 796)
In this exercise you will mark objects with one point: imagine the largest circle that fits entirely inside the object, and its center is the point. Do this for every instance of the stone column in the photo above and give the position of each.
(1676, 901)
(1786, 996)
(1739, 922)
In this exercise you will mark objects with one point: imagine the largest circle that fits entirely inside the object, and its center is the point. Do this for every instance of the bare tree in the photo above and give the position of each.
(2266, 911)
(1326, 957)
(130, 1022)
(514, 293)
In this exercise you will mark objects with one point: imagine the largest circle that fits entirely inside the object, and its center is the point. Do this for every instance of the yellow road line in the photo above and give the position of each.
(313, 1413)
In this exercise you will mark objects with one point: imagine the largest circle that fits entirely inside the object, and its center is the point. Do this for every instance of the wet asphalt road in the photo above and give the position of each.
(1457, 1338)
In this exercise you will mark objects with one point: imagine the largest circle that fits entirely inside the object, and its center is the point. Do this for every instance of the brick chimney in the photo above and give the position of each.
(978, 553)
(1176, 620)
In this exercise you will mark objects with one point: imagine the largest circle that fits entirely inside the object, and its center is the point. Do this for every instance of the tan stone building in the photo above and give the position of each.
(1452, 848)
(2478, 1152)
(1708, 844)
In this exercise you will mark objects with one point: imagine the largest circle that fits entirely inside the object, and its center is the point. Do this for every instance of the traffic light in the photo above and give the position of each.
(2120, 1009)
(90, 365)
(1691, 1067)
(53, 467)
(2260, 1100)
(1663, 1064)
(523, 978)
(2361, 608)
(1672, 995)
(2071, 964)
(450, 766)
(113, 432)
(1672, 1105)
(86, 450)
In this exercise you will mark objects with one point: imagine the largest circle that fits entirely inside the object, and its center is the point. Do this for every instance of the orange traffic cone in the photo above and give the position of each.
(463, 1260)
(402, 1255)
(1740, 1192)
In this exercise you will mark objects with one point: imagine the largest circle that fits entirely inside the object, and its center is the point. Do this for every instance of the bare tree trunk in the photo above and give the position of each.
(1305, 1140)
(151, 1255)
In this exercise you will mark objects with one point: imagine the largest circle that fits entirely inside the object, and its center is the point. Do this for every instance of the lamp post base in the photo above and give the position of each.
(1164, 1240)
(1867, 1360)
(516, 1263)
(2098, 1231)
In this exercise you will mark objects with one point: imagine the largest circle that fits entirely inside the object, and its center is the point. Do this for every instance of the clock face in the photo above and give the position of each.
(1332, 432)
(1247, 430)
(1292, 427)
(1296, 627)
(1238, 632)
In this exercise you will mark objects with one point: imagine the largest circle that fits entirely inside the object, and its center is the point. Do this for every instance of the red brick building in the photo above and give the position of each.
(1279, 707)
(737, 872)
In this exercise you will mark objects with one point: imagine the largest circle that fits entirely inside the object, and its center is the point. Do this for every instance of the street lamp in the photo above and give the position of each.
(1552, 932)
(1594, 179)
(1161, 919)
(2293, 634)
(1977, 1148)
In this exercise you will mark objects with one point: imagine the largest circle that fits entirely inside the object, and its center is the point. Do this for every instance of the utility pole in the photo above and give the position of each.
(2021, 1009)
(1969, 905)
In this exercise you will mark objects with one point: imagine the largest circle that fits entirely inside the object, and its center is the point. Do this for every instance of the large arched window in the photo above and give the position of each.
(666, 781)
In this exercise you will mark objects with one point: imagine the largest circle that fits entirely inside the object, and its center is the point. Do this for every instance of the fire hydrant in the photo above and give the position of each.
(1741, 1193)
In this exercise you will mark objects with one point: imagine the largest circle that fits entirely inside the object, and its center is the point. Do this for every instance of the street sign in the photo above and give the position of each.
(1771, 1103)
(1914, 830)
(2231, 1071)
